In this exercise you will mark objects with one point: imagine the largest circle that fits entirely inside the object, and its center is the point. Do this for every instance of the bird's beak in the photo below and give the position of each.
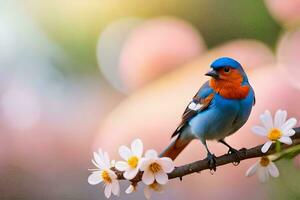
(213, 73)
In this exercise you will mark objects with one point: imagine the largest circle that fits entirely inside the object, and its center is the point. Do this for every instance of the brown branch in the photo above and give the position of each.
(201, 165)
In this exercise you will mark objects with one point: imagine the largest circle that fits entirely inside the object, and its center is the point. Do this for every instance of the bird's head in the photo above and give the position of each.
(227, 69)
(228, 78)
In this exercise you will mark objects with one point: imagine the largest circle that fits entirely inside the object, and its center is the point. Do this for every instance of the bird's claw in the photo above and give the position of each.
(235, 152)
(212, 161)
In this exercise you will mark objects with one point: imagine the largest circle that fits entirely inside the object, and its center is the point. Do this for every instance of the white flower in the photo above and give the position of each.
(264, 168)
(130, 189)
(155, 168)
(132, 159)
(152, 187)
(104, 174)
(280, 129)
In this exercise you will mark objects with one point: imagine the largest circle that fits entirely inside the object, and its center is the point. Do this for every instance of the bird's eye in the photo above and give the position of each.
(226, 69)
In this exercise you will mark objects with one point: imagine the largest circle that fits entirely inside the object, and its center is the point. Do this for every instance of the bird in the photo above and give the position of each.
(221, 107)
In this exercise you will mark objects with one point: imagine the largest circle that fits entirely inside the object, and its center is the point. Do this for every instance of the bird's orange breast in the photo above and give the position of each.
(229, 89)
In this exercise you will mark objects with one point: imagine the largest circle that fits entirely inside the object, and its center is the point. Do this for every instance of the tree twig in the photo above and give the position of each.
(201, 165)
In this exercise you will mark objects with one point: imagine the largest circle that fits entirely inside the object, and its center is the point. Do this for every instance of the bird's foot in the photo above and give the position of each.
(211, 158)
(237, 155)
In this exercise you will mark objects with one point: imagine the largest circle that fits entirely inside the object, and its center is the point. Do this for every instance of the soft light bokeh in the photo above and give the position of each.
(157, 47)
(286, 12)
(79, 75)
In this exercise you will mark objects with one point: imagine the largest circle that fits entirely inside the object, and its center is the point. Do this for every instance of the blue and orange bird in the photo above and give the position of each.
(220, 108)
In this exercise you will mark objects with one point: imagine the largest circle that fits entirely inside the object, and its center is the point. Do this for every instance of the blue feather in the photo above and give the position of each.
(225, 61)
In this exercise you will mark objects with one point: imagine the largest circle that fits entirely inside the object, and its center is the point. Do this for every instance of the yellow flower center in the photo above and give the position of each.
(274, 134)
(264, 161)
(105, 176)
(133, 161)
(154, 167)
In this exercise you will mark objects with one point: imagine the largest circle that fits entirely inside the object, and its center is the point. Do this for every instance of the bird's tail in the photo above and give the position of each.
(175, 148)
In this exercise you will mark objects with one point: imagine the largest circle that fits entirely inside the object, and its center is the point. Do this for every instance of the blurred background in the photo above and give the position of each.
(79, 75)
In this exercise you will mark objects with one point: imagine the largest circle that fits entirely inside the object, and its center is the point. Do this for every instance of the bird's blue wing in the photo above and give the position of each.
(200, 102)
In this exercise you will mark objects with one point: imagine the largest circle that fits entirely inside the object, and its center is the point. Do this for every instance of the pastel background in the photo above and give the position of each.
(78, 75)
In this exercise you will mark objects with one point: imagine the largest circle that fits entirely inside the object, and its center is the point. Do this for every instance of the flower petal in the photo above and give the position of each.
(147, 192)
(144, 163)
(267, 120)
(151, 153)
(266, 146)
(131, 173)
(259, 130)
(125, 152)
(115, 188)
(112, 174)
(112, 163)
(289, 132)
(148, 177)
(130, 189)
(106, 160)
(166, 164)
(96, 164)
(95, 178)
(98, 161)
(280, 118)
(273, 170)
(137, 147)
(263, 174)
(107, 190)
(252, 169)
(290, 123)
(161, 177)
(103, 159)
(286, 140)
(121, 166)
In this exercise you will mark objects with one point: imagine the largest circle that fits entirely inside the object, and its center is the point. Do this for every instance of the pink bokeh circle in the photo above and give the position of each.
(156, 47)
